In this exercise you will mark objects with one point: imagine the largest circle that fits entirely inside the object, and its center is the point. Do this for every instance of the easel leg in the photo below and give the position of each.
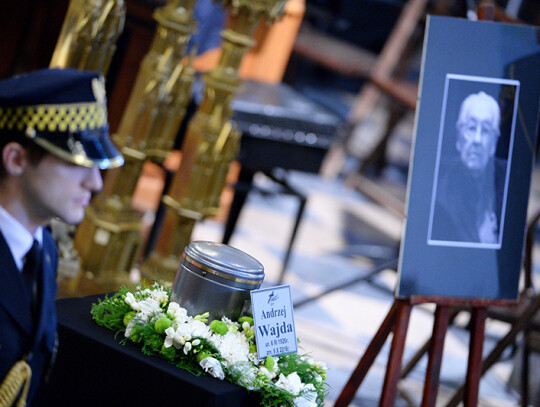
(424, 349)
(496, 353)
(348, 392)
(474, 367)
(436, 345)
(393, 369)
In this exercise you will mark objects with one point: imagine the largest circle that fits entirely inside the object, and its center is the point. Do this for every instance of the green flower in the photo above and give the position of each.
(202, 317)
(269, 363)
(203, 355)
(128, 317)
(162, 324)
(219, 327)
(249, 320)
(249, 333)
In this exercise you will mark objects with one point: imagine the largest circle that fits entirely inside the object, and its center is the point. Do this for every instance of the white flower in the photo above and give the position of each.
(177, 313)
(138, 319)
(130, 299)
(234, 347)
(267, 373)
(159, 295)
(192, 329)
(129, 328)
(184, 330)
(212, 366)
(199, 328)
(306, 393)
(187, 348)
(321, 366)
(149, 306)
(308, 398)
(244, 374)
(173, 338)
(290, 383)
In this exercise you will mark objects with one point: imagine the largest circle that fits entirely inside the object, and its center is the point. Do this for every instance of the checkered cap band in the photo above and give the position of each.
(54, 118)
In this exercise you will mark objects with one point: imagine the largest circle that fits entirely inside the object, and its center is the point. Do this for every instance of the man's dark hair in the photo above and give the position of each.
(35, 152)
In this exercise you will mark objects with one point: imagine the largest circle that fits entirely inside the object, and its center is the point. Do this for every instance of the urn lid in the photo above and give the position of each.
(219, 261)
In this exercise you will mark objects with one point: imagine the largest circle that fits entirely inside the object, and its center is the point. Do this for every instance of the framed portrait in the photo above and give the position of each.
(474, 156)
(474, 149)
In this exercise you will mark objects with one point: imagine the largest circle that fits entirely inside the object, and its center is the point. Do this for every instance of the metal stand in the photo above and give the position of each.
(242, 188)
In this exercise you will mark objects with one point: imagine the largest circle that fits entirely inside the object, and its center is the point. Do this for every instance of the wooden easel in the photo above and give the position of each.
(397, 321)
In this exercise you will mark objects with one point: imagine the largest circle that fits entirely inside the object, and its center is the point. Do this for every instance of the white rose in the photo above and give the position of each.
(303, 402)
(149, 306)
(308, 397)
(290, 383)
(199, 329)
(130, 299)
(212, 366)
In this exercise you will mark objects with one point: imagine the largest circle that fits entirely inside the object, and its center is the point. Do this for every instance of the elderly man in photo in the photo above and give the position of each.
(470, 186)
(53, 141)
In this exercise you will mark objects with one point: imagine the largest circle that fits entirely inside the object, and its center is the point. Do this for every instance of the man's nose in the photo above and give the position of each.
(477, 134)
(93, 180)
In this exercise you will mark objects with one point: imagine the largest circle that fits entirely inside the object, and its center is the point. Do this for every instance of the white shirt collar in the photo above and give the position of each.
(17, 237)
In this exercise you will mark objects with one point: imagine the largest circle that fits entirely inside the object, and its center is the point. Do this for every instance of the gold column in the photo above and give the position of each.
(210, 143)
(89, 34)
(110, 238)
(87, 41)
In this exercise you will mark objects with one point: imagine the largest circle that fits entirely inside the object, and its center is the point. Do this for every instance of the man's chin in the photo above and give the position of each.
(475, 164)
(73, 219)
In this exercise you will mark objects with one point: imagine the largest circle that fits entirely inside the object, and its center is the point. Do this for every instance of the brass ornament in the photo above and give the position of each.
(211, 142)
(147, 130)
(88, 36)
(87, 41)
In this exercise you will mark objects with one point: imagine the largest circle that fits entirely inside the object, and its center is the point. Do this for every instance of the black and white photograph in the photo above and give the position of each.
(473, 161)
(473, 153)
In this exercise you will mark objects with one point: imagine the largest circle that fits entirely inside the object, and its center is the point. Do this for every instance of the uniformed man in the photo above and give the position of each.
(54, 141)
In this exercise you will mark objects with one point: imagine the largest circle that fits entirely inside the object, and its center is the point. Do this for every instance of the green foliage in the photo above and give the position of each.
(275, 397)
(168, 353)
(110, 312)
(116, 314)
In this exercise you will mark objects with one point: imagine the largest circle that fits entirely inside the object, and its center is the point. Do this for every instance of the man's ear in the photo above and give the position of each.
(15, 158)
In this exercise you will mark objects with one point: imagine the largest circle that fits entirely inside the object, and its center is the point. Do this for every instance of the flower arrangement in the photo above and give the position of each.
(223, 348)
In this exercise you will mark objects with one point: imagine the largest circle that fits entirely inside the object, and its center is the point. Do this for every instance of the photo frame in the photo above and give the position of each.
(474, 148)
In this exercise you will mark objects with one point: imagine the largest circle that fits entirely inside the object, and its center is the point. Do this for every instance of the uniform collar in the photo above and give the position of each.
(17, 237)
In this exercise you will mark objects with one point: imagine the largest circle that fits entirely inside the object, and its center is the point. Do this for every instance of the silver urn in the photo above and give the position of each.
(216, 278)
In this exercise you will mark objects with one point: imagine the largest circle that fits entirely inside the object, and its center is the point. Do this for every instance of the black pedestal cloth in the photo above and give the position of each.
(93, 369)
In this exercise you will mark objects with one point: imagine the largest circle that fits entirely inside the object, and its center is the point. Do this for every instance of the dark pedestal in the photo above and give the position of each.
(93, 369)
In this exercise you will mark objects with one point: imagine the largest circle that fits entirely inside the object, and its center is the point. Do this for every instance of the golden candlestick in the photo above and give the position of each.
(210, 143)
(87, 41)
(89, 34)
(110, 237)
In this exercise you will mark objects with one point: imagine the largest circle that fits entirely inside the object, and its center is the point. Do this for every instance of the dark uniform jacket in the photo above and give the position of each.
(17, 333)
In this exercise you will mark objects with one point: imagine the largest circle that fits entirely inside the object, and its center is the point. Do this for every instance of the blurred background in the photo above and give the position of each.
(317, 189)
